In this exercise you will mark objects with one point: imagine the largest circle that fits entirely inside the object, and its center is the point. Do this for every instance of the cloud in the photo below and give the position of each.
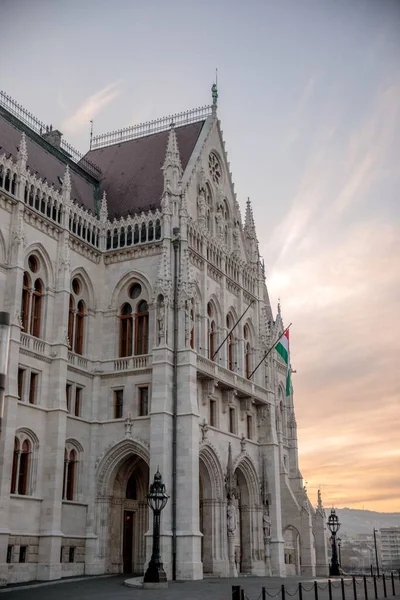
(343, 298)
(90, 108)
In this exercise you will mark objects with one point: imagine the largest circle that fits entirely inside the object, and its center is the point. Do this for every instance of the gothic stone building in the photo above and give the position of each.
(139, 311)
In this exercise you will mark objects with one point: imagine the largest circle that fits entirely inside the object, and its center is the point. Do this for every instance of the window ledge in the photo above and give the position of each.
(75, 502)
(25, 497)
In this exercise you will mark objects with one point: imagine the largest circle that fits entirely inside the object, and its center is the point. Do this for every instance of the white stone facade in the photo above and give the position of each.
(78, 502)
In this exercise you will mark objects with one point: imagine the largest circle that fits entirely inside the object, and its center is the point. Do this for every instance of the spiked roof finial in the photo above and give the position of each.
(23, 150)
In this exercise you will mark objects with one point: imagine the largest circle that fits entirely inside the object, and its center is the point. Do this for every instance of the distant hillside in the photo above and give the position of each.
(363, 521)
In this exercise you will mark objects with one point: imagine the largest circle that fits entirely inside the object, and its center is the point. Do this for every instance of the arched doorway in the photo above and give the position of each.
(291, 537)
(248, 539)
(212, 511)
(206, 518)
(122, 514)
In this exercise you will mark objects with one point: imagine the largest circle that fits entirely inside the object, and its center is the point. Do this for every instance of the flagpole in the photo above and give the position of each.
(234, 327)
(268, 352)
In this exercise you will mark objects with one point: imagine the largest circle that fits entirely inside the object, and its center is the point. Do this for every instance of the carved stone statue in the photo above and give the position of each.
(266, 526)
(201, 205)
(231, 515)
(161, 321)
(214, 93)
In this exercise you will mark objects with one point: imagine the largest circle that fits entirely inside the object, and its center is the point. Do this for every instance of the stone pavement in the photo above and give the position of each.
(112, 588)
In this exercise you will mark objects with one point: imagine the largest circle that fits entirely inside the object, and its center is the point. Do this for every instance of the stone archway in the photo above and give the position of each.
(121, 508)
(212, 509)
(291, 538)
(248, 542)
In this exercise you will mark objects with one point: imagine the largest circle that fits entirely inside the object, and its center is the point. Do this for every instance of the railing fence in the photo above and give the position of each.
(363, 588)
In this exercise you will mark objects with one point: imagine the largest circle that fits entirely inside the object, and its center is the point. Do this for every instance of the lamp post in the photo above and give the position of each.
(376, 553)
(4, 346)
(334, 525)
(339, 543)
(156, 499)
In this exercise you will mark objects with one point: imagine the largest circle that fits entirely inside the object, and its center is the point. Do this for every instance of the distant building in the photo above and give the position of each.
(390, 547)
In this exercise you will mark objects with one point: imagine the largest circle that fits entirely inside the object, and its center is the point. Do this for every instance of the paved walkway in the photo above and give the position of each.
(112, 588)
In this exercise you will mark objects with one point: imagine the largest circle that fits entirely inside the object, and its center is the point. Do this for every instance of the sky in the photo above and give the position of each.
(309, 101)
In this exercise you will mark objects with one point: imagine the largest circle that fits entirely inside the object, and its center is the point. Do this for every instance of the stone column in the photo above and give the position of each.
(270, 457)
(307, 544)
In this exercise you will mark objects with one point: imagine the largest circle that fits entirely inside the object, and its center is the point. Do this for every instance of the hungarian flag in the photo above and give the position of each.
(282, 347)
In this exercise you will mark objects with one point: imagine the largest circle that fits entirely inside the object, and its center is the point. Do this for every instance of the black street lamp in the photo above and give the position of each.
(156, 499)
(334, 525)
(339, 543)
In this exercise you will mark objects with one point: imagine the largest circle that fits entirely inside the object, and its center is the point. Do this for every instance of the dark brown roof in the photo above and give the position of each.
(133, 180)
(44, 162)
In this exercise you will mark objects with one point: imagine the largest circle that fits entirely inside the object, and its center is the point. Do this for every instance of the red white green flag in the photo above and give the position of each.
(282, 348)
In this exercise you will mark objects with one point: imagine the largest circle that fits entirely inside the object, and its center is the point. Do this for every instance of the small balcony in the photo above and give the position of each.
(207, 369)
(29, 342)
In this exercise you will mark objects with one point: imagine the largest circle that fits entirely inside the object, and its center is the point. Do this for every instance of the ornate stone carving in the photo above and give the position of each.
(231, 517)
(128, 426)
(204, 430)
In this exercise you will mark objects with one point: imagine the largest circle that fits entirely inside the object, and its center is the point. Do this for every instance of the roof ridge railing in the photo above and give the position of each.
(151, 127)
(41, 128)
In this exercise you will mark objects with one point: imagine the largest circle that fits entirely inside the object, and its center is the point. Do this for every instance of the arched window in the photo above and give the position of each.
(24, 468)
(15, 466)
(230, 343)
(71, 316)
(36, 311)
(32, 298)
(211, 331)
(79, 327)
(70, 476)
(126, 329)
(247, 352)
(76, 318)
(142, 328)
(131, 488)
(23, 473)
(25, 301)
(192, 328)
(247, 360)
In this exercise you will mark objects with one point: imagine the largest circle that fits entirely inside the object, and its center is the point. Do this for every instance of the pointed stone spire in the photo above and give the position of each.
(172, 167)
(66, 184)
(249, 225)
(103, 208)
(319, 505)
(22, 151)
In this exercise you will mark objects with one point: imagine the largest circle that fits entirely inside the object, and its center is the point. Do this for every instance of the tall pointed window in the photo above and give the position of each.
(126, 330)
(23, 472)
(76, 317)
(247, 352)
(24, 468)
(192, 328)
(142, 328)
(134, 322)
(36, 311)
(79, 327)
(72, 459)
(32, 298)
(15, 467)
(71, 318)
(70, 485)
(229, 325)
(25, 302)
(211, 330)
